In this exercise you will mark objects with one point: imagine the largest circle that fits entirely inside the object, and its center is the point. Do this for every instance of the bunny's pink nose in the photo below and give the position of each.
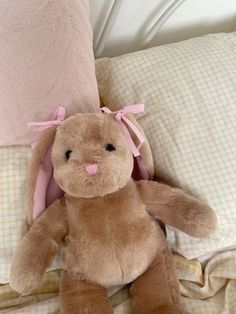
(91, 169)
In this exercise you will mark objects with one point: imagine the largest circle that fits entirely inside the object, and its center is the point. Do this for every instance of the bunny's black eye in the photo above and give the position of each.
(110, 147)
(67, 154)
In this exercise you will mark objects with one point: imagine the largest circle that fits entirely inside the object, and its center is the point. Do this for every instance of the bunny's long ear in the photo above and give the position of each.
(42, 189)
(146, 158)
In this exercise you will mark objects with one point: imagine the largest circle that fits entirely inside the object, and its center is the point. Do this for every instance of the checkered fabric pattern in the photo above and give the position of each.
(189, 90)
(13, 170)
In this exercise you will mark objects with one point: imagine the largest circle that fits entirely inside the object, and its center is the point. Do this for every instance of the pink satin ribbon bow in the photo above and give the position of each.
(57, 118)
(125, 123)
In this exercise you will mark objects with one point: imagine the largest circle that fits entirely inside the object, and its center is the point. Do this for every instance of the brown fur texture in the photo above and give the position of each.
(106, 224)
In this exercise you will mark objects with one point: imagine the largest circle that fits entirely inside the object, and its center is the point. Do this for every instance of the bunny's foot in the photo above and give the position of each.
(169, 309)
(157, 291)
(81, 297)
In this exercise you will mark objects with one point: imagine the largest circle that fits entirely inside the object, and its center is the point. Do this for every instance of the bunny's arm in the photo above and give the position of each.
(38, 248)
(178, 209)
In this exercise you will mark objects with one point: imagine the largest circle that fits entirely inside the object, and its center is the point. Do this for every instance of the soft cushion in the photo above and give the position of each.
(189, 89)
(46, 59)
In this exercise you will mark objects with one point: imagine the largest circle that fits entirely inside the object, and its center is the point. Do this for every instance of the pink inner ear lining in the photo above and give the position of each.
(46, 188)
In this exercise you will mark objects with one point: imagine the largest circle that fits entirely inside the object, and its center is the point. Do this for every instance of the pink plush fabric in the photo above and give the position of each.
(46, 60)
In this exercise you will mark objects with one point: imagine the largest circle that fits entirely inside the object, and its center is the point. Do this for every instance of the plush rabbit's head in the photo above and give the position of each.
(87, 155)
(91, 156)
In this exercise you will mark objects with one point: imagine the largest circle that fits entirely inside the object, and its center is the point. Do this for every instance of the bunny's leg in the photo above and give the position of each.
(157, 291)
(81, 297)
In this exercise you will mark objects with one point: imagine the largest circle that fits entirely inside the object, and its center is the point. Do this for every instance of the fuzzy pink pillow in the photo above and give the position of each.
(46, 59)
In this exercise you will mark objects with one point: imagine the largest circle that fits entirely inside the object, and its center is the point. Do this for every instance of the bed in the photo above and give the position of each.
(181, 83)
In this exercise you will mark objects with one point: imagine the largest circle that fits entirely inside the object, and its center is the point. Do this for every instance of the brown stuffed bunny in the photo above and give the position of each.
(106, 223)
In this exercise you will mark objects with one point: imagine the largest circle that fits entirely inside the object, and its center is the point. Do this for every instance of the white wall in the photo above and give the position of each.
(136, 17)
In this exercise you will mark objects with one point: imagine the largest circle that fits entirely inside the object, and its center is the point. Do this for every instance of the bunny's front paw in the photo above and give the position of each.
(24, 282)
(25, 273)
(202, 218)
